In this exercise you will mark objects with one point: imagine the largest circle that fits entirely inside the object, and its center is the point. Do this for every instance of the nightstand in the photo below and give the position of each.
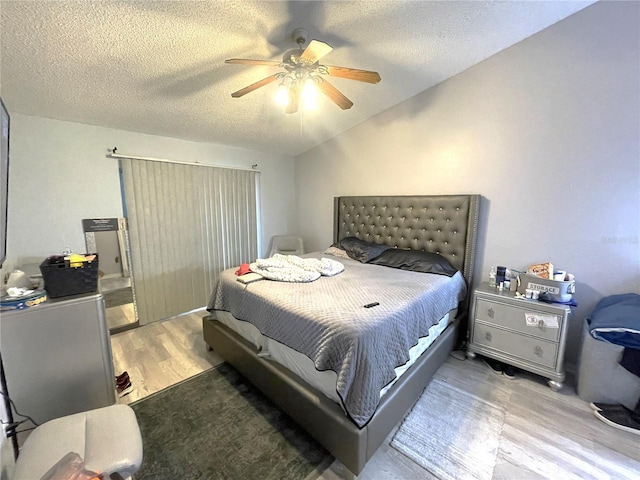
(528, 334)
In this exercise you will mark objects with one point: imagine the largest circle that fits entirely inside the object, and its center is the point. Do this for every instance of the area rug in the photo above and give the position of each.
(115, 298)
(218, 426)
(451, 433)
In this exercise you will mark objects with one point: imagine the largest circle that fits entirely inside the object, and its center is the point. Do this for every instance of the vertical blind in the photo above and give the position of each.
(187, 223)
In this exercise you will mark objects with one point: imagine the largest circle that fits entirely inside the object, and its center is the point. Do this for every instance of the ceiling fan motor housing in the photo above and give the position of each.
(291, 57)
(300, 35)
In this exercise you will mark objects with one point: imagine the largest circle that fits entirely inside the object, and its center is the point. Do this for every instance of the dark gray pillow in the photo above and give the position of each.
(360, 250)
(415, 261)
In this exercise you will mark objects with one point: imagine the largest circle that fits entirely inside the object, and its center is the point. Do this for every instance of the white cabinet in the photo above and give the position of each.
(57, 357)
(528, 334)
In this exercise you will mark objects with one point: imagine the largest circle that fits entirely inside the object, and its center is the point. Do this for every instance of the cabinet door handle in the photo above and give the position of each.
(538, 351)
(490, 312)
(487, 336)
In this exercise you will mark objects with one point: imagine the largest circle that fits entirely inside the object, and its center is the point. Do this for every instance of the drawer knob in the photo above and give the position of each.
(538, 351)
(487, 336)
(490, 312)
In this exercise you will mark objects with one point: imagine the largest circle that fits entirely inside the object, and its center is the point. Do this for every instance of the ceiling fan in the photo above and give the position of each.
(304, 74)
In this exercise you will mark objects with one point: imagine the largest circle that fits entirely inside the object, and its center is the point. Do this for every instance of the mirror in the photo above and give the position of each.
(108, 238)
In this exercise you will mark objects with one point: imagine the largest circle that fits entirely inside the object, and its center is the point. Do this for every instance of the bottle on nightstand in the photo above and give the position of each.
(492, 277)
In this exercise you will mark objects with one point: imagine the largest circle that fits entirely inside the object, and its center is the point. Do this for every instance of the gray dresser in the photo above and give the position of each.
(528, 334)
(57, 357)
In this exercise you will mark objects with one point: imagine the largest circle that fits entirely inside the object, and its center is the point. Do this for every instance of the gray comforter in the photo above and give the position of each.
(326, 321)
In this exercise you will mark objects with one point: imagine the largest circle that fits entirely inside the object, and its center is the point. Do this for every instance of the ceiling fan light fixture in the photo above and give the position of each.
(310, 95)
(303, 76)
(282, 96)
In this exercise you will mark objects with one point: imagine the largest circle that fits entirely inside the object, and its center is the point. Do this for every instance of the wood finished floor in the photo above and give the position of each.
(162, 354)
(546, 435)
(120, 316)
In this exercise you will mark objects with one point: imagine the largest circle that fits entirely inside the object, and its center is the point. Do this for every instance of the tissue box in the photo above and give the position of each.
(543, 270)
(555, 290)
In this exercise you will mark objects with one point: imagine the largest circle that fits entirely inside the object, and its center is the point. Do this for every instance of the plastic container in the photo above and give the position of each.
(62, 280)
(555, 290)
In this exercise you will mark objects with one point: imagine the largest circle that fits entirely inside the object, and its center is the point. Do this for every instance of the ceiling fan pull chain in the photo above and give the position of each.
(301, 122)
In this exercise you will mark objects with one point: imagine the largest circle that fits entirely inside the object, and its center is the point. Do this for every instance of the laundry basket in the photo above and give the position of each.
(61, 279)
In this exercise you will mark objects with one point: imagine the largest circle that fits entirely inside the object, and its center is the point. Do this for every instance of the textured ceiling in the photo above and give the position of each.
(158, 66)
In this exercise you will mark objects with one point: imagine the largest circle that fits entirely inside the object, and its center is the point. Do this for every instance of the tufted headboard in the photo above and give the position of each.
(444, 224)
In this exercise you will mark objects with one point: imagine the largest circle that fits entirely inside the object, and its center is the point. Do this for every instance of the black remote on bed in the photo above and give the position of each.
(369, 305)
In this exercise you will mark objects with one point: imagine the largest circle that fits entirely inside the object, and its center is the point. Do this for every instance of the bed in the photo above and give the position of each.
(446, 225)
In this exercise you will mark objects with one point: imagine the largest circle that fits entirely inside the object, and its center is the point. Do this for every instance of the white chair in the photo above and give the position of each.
(107, 439)
(286, 245)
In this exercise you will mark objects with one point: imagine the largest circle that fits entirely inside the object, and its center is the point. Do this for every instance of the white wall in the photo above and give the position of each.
(59, 174)
(547, 131)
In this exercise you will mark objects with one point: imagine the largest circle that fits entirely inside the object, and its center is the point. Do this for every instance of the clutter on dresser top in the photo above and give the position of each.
(539, 281)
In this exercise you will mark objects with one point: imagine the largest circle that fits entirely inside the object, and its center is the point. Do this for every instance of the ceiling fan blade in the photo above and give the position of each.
(294, 99)
(255, 86)
(248, 61)
(335, 95)
(315, 51)
(353, 74)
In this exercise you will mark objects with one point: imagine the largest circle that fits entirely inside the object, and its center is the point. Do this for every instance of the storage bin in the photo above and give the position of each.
(556, 290)
(61, 280)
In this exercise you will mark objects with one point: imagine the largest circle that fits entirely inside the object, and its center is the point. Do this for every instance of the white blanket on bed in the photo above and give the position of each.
(291, 268)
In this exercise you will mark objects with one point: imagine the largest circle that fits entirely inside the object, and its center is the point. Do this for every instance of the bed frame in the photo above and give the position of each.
(445, 224)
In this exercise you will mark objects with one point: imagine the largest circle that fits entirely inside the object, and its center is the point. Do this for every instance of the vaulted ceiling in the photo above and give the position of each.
(158, 67)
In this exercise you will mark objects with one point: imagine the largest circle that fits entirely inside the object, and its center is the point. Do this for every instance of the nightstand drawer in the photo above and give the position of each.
(531, 349)
(515, 318)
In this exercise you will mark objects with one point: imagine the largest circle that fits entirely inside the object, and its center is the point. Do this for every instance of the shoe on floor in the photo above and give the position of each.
(124, 390)
(495, 366)
(619, 419)
(509, 372)
(122, 376)
(124, 381)
(596, 406)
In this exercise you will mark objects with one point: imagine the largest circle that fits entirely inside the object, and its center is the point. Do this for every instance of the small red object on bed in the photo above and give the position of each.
(244, 268)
